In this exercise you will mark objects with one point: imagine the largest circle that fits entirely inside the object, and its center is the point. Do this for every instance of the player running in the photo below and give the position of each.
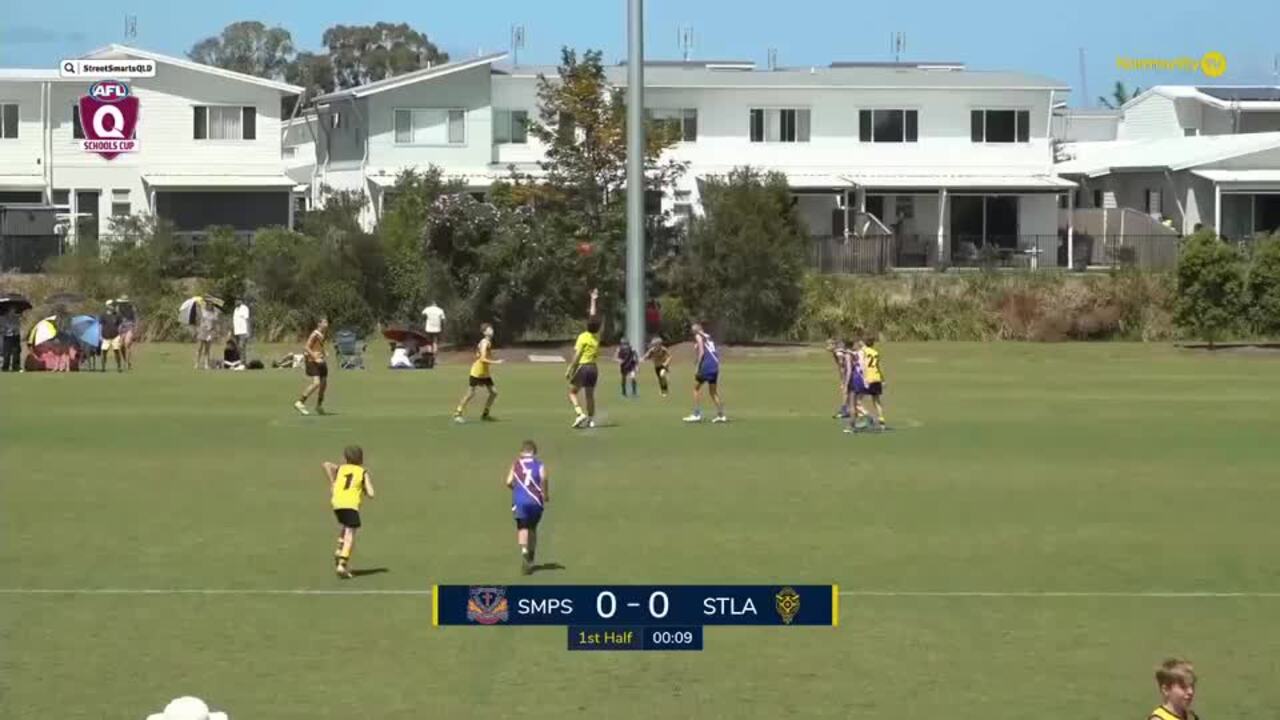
(349, 484)
(661, 357)
(707, 363)
(317, 368)
(583, 373)
(480, 376)
(628, 360)
(530, 492)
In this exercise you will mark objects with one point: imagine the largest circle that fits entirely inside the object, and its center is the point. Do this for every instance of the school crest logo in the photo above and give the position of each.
(787, 603)
(487, 605)
(109, 119)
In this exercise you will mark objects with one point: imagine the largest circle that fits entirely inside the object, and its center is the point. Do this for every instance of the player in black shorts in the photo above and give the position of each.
(628, 360)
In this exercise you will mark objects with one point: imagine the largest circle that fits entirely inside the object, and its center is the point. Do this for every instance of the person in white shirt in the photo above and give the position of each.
(434, 325)
(240, 328)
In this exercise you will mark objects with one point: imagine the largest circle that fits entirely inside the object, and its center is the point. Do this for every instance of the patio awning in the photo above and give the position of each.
(937, 181)
(196, 182)
(21, 182)
(1243, 180)
(816, 181)
(471, 180)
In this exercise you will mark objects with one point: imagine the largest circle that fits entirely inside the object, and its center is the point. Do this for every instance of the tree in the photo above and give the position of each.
(404, 247)
(581, 198)
(1119, 96)
(1263, 287)
(1210, 287)
(312, 71)
(247, 47)
(365, 53)
(742, 267)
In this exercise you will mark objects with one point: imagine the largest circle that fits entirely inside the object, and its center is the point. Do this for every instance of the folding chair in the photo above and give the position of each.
(350, 350)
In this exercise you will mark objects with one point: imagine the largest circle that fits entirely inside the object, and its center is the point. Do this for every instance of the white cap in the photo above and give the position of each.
(186, 708)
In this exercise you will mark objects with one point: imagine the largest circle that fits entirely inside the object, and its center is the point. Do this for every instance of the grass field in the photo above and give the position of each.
(1046, 524)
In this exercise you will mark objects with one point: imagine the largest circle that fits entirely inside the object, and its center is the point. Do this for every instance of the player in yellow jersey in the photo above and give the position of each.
(1177, 682)
(873, 376)
(349, 483)
(661, 357)
(583, 371)
(481, 375)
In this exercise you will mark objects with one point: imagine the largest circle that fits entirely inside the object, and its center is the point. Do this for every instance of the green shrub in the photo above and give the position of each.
(1263, 287)
(1210, 287)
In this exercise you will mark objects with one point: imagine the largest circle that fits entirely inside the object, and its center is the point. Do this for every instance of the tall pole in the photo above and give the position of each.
(635, 173)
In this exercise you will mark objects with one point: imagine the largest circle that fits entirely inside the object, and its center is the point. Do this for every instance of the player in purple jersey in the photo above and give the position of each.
(707, 364)
(530, 492)
(856, 382)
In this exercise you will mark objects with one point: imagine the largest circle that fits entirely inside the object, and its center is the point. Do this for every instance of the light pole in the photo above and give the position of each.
(635, 173)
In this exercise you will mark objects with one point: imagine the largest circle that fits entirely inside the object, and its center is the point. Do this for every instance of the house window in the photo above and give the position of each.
(1000, 126)
(888, 125)
(225, 122)
(510, 127)
(8, 121)
(681, 124)
(1155, 204)
(120, 202)
(779, 125)
(1097, 198)
(77, 130)
(684, 206)
(431, 127)
(1189, 132)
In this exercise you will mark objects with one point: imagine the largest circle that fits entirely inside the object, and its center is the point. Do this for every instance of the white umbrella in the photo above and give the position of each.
(189, 310)
(43, 332)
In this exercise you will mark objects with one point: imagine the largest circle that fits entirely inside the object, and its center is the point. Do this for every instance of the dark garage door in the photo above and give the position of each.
(195, 211)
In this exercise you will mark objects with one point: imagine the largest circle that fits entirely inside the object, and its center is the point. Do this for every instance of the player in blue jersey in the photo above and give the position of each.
(856, 382)
(530, 486)
(707, 364)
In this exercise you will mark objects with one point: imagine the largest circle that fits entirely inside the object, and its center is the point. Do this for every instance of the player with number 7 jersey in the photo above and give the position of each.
(530, 491)
(349, 484)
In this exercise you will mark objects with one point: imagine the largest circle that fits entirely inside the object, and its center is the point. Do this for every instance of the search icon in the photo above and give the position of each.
(70, 68)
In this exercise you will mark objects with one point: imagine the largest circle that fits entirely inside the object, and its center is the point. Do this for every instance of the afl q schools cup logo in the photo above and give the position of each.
(109, 119)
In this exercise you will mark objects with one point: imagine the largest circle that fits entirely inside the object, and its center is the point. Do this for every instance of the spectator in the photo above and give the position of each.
(11, 330)
(111, 340)
(204, 335)
(652, 318)
(232, 356)
(240, 327)
(434, 326)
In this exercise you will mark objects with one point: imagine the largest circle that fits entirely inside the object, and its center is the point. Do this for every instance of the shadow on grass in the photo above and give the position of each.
(547, 566)
(369, 571)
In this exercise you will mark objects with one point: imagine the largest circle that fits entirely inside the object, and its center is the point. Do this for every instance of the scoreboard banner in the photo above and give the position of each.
(635, 606)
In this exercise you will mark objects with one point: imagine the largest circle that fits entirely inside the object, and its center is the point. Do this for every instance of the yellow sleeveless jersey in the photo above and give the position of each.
(1163, 713)
(480, 368)
(587, 348)
(871, 365)
(348, 487)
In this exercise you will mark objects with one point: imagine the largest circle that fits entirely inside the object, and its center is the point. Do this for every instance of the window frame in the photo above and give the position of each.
(907, 112)
(510, 123)
(685, 114)
(1021, 130)
(447, 124)
(17, 123)
(765, 111)
(246, 109)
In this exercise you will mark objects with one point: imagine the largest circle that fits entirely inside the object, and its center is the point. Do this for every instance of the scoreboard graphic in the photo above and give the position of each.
(635, 617)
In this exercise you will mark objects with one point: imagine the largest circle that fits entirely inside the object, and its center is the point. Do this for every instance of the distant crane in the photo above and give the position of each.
(130, 27)
(517, 43)
(684, 38)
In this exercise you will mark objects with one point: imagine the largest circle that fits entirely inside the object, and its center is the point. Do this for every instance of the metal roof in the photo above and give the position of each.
(116, 50)
(1261, 93)
(862, 77)
(427, 73)
(1172, 153)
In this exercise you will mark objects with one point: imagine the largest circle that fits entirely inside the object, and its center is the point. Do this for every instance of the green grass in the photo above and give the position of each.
(1088, 469)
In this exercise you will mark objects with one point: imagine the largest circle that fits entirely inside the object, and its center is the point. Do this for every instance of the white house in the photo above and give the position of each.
(1186, 157)
(209, 150)
(943, 158)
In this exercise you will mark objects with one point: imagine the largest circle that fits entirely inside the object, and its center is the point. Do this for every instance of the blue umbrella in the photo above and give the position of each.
(88, 330)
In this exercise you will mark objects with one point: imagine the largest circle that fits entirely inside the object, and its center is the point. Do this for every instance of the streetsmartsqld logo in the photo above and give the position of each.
(1213, 64)
(109, 118)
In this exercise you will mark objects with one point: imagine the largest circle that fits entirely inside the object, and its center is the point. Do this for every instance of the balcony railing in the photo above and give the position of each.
(871, 254)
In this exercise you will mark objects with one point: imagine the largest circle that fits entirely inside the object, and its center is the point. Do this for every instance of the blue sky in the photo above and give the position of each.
(1042, 37)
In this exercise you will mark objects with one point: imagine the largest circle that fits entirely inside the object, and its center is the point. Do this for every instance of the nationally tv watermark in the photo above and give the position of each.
(1213, 64)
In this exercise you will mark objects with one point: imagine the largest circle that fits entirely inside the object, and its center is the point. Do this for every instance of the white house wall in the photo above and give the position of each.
(1150, 117)
(22, 155)
(466, 90)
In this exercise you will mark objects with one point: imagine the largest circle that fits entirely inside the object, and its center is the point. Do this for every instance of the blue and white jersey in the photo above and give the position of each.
(526, 491)
(710, 364)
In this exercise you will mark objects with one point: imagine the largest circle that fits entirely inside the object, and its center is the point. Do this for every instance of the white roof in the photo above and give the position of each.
(1173, 153)
(1241, 177)
(21, 182)
(808, 181)
(939, 178)
(115, 50)
(1192, 92)
(871, 76)
(219, 181)
(410, 78)
(37, 74)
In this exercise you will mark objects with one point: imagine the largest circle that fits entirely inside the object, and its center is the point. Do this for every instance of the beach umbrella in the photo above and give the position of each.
(14, 301)
(402, 334)
(64, 298)
(189, 310)
(42, 332)
(88, 330)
